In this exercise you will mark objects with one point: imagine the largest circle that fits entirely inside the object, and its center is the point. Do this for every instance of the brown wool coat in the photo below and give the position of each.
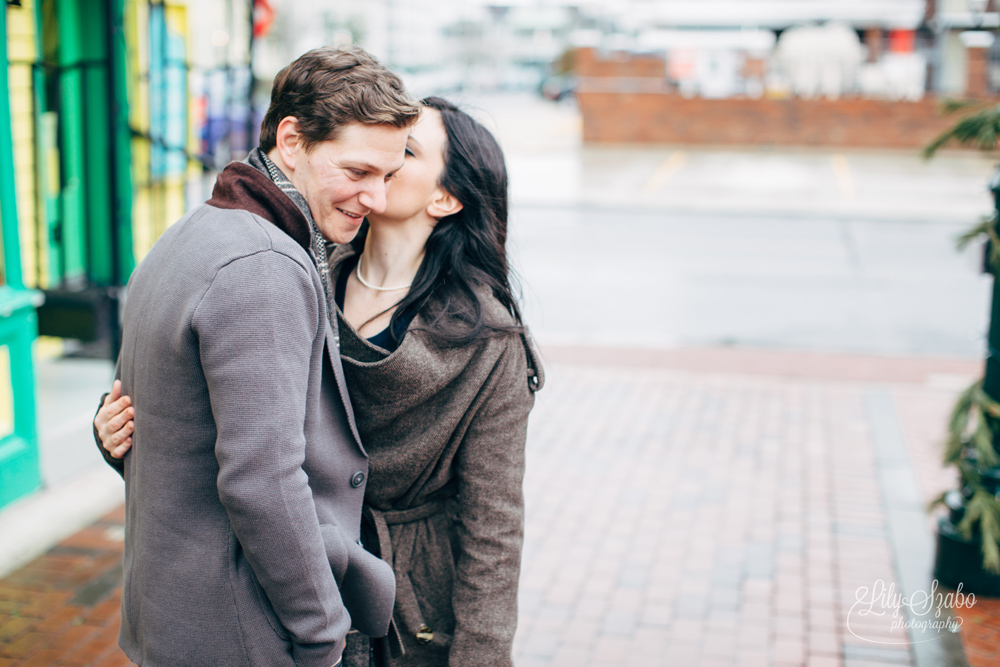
(444, 429)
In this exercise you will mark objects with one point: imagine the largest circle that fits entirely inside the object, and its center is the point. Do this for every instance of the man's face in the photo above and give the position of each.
(346, 178)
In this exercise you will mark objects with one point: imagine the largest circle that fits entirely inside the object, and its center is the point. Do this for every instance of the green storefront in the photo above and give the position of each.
(18, 324)
(74, 244)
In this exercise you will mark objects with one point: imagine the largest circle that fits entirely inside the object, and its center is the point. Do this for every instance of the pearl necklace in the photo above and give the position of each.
(377, 289)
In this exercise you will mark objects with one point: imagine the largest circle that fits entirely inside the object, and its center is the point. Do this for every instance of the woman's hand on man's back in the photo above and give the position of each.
(114, 423)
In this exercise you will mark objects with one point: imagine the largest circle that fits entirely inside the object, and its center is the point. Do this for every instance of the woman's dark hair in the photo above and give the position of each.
(467, 250)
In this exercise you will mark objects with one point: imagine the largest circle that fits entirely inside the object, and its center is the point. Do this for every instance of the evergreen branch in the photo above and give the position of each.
(954, 449)
(982, 443)
(951, 105)
(989, 529)
(937, 501)
(970, 235)
(987, 404)
(979, 129)
(959, 423)
(994, 260)
(969, 474)
(986, 226)
(973, 513)
(963, 406)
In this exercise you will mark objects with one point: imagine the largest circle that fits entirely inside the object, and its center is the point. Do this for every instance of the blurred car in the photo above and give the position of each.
(558, 87)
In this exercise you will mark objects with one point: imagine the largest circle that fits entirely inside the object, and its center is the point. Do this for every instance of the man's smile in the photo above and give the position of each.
(352, 215)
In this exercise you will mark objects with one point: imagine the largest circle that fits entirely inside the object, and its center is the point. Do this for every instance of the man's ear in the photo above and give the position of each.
(288, 140)
(443, 205)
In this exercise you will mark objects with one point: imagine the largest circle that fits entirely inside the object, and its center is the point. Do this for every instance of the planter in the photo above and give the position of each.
(958, 560)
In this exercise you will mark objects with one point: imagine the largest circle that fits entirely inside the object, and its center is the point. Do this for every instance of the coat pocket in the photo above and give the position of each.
(426, 610)
(251, 600)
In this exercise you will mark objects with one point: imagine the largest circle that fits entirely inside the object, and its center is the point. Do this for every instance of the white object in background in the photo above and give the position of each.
(976, 39)
(905, 75)
(820, 60)
(718, 73)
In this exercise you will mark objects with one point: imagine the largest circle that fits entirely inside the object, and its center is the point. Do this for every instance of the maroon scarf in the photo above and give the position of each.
(241, 186)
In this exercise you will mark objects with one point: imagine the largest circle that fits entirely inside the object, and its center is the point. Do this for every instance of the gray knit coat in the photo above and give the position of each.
(444, 429)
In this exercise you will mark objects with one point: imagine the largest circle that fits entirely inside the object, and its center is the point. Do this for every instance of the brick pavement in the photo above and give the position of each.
(719, 507)
(63, 607)
(704, 507)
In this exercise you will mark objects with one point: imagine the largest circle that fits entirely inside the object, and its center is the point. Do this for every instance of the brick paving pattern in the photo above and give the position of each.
(981, 633)
(63, 608)
(677, 515)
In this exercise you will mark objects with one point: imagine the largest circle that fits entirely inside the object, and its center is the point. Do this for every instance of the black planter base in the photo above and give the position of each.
(961, 561)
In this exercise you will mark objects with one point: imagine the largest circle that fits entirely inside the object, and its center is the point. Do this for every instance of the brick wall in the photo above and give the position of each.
(976, 66)
(619, 113)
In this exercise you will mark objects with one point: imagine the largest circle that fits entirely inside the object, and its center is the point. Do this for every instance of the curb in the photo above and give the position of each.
(33, 525)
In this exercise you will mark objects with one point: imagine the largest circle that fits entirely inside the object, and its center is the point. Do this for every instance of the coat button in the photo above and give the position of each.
(358, 479)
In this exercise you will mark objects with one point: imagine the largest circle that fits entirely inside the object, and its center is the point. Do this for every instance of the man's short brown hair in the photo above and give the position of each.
(327, 88)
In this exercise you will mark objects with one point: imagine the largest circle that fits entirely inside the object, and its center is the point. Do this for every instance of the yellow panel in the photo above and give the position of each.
(6, 398)
(47, 347)
(175, 16)
(20, 105)
(20, 23)
(24, 151)
(22, 47)
(174, 202)
(141, 223)
(19, 76)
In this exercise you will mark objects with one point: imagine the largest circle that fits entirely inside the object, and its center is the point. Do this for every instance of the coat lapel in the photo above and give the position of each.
(333, 352)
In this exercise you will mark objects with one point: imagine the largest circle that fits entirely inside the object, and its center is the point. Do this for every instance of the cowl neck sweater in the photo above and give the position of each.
(444, 428)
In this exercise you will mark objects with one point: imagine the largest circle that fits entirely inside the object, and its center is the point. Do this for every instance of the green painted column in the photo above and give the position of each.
(72, 142)
(47, 173)
(121, 194)
(95, 141)
(92, 39)
(19, 474)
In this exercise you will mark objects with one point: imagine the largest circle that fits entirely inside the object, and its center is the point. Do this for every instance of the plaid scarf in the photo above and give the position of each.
(317, 242)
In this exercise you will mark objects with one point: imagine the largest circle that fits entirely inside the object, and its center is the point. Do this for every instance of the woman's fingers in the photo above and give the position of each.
(114, 422)
(110, 410)
(119, 420)
(120, 450)
(112, 419)
(119, 436)
(119, 442)
(115, 394)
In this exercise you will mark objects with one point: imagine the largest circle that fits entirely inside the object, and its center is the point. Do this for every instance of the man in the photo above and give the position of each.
(245, 478)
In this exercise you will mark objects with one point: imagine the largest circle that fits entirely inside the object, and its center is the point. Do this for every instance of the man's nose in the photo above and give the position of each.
(373, 197)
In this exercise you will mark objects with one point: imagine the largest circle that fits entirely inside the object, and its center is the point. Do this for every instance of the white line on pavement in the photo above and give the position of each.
(665, 172)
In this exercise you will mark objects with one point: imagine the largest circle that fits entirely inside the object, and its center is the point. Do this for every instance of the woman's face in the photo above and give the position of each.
(415, 187)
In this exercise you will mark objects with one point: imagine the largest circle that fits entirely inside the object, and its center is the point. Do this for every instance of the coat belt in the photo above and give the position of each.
(382, 519)
(406, 599)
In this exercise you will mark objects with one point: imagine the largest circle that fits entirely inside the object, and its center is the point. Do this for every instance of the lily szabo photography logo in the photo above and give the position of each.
(881, 614)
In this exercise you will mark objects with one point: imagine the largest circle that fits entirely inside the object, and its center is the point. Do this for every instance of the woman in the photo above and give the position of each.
(442, 377)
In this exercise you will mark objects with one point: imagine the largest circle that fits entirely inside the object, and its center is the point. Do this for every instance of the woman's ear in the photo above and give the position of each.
(443, 205)
(288, 140)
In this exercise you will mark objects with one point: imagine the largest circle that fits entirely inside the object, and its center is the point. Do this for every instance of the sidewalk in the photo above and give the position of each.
(685, 507)
(550, 166)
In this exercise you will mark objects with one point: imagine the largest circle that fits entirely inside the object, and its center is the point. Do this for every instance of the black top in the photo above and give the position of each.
(382, 338)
